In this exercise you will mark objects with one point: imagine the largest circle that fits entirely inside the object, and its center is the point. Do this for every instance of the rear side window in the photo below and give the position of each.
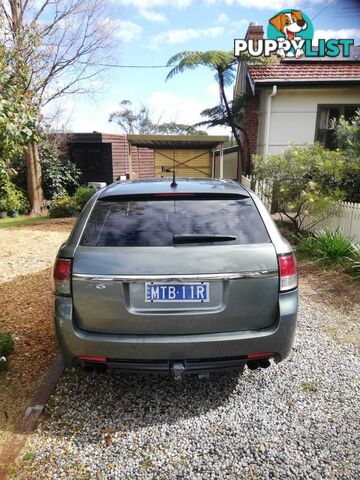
(155, 222)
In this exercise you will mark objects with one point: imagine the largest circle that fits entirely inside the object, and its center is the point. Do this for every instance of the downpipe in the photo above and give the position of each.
(269, 97)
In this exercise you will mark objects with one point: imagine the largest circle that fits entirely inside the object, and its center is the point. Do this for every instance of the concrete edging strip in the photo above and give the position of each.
(43, 393)
(27, 422)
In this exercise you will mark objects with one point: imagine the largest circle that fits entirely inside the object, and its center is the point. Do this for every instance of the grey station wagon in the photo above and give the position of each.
(185, 278)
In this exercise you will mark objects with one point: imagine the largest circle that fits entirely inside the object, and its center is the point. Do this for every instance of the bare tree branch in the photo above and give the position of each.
(66, 41)
(62, 43)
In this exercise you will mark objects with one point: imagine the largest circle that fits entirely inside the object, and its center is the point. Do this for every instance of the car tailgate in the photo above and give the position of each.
(109, 288)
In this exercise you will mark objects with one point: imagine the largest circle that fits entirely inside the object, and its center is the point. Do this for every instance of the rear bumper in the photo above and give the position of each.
(175, 367)
(187, 348)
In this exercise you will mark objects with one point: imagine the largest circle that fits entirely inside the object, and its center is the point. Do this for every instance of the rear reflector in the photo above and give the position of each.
(62, 277)
(92, 359)
(260, 355)
(288, 273)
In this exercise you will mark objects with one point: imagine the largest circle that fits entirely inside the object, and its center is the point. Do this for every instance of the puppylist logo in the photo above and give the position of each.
(290, 34)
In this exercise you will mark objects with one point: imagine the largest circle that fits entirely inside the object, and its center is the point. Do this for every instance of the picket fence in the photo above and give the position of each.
(262, 188)
(345, 218)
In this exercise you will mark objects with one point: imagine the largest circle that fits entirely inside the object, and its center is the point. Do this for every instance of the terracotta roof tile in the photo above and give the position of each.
(305, 71)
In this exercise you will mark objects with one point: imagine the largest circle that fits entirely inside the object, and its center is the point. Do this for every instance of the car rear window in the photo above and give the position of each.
(155, 222)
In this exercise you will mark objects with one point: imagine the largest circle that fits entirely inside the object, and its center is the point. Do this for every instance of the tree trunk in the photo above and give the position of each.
(33, 179)
(33, 168)
(241, 161)
(247, 161)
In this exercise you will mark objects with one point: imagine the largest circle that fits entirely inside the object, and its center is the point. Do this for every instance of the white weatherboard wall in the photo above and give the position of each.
(294, 111)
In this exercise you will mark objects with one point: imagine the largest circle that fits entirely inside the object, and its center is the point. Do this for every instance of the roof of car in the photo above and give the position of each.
(184, 185)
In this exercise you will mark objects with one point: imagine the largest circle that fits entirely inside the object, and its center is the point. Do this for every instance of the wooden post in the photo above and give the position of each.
(130, 162)
(221, 172)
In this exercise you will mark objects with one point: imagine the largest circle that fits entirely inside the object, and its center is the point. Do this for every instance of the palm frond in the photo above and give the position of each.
(217, 60)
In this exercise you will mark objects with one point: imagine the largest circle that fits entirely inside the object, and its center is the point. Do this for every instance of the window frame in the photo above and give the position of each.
(320, 106)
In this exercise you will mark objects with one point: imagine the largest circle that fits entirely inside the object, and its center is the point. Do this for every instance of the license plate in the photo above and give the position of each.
(177, 292)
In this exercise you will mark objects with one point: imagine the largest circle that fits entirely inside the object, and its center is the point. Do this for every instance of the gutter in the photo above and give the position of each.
(308, 80)
(268, 120)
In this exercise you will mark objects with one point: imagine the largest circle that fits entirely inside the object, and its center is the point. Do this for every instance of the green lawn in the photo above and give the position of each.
(22, 220)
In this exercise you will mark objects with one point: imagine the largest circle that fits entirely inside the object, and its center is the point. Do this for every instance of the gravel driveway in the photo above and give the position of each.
(297, 420)
(31, 248)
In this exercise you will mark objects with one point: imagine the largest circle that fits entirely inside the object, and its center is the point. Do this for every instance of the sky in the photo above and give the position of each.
(151, 31)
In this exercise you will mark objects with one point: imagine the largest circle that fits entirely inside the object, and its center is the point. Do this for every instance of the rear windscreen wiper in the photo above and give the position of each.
(194, 238)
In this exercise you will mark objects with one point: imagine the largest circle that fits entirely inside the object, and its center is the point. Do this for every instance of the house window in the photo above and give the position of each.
(325, 114)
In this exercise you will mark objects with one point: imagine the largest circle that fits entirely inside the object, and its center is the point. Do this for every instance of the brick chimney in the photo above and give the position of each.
(254, 32)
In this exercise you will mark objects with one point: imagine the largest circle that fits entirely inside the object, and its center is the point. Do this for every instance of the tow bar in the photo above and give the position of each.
(177, 369)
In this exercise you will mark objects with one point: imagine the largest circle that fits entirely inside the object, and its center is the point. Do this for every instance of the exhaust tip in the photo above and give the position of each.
(265, 364)
(253, 365)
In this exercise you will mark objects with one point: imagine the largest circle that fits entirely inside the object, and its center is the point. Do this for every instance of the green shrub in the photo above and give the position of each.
(64, 207)
(303, 181)
(83, 195)
(328, 247)
(59, 175)
(6, 344)
(6, 347)
(347, 134)
(3, 204)
(12, 199)
(306, 245)
(4, 365)
(24, 205)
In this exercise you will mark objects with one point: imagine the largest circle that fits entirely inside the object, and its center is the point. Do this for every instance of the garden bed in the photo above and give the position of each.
(331, 286)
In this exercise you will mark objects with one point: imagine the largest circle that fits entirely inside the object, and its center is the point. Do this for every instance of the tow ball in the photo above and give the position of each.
(177, 370)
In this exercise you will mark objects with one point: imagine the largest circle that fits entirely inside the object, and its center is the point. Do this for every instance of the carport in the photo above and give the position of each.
(189, 155)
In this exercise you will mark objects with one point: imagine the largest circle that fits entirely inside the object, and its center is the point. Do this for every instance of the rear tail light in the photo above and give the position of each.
(288, 273)
(62, 277)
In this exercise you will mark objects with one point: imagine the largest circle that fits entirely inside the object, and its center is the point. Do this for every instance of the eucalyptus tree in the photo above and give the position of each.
(63, 44)
(141, 120)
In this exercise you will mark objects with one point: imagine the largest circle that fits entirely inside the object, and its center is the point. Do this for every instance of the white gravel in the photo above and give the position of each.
(25, 250)
(297, 420)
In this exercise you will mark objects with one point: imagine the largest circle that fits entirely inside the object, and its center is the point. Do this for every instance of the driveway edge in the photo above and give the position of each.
(40, 398)
(27, 422)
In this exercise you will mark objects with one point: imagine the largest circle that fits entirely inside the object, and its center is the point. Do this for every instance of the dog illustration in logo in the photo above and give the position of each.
(289, 24)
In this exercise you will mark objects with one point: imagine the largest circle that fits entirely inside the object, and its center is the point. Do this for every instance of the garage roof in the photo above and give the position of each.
(177, 141)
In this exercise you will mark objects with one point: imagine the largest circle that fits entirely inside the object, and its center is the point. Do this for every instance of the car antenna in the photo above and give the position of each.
(173, 183)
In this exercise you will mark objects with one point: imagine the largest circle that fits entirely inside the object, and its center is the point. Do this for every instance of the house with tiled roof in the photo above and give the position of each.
(293, 101)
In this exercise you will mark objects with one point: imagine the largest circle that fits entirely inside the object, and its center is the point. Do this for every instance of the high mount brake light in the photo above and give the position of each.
(288, 272)
(62, 277)
(174, 195)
